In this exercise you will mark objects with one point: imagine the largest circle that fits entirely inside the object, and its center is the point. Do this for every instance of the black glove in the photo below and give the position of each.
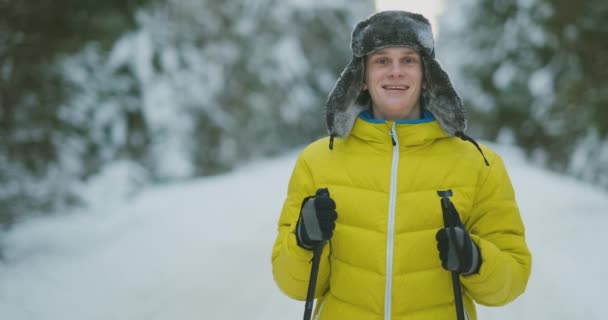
(457, 251)
(317, 220)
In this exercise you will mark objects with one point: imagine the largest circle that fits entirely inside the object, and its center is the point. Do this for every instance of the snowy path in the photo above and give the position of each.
(201, 250)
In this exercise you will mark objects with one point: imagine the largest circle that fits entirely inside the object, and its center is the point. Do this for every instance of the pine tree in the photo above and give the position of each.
(172, 89)
(242, 79)
(534, 71)
(34, 35)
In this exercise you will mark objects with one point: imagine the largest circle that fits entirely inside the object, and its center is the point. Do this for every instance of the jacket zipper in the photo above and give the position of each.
(391, 226)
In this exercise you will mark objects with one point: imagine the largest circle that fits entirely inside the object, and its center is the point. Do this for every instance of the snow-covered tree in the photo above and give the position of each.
(533, 72)
(34, 35)
(223, 82)
(196, 88)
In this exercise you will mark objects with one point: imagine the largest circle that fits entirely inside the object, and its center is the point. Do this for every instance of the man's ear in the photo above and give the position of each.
(364, 86)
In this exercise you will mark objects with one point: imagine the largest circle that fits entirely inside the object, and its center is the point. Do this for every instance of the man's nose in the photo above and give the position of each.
(396, 69)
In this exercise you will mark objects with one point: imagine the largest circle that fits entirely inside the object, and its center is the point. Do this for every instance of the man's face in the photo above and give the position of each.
(394, 79)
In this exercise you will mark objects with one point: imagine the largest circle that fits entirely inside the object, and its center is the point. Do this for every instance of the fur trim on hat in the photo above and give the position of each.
(393, 29)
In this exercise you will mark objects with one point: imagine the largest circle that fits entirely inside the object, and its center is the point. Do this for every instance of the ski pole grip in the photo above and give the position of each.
(309, 216)
(445, 206)
(322, 192)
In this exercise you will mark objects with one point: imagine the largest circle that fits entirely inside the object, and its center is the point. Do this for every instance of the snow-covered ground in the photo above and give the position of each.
(201, 250)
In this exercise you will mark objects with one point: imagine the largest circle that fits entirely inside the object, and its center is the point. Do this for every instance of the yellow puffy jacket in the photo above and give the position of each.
(383, 262)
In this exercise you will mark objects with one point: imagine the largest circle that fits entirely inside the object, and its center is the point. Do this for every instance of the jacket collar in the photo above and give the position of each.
(409, 132)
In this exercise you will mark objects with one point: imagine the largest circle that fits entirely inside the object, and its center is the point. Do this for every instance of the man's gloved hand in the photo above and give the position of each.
(317, 220)
(457, 251)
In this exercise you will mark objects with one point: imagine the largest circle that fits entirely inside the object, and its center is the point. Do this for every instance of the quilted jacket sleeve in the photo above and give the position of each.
(496, 226)
(291, 264)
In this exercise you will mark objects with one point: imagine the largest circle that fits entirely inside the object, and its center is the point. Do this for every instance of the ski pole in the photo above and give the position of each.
(312, 283)
(309, 218)
(450, 219)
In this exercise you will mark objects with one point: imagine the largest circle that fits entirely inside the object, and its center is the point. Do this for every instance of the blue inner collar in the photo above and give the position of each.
(426, 117)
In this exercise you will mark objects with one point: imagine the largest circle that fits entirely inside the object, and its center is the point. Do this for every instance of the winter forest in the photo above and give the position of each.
(105, 101)
(164, 90)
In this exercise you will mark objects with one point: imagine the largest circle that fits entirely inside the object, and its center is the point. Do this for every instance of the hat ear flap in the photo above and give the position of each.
(341, 110)
(441, 99)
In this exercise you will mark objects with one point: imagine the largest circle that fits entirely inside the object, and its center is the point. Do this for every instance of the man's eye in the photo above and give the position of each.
(381, 61)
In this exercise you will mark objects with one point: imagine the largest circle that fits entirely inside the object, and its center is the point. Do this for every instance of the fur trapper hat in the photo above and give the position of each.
(390, 29)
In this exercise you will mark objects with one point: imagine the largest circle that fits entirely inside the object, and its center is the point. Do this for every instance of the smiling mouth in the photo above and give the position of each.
(399, 88)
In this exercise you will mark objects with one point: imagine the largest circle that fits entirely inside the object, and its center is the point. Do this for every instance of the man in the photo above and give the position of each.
(396, 129)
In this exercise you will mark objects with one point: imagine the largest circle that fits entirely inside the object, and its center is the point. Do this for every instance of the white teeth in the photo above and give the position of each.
(395, 87)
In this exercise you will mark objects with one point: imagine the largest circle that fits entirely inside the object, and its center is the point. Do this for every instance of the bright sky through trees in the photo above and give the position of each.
(429, 8)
